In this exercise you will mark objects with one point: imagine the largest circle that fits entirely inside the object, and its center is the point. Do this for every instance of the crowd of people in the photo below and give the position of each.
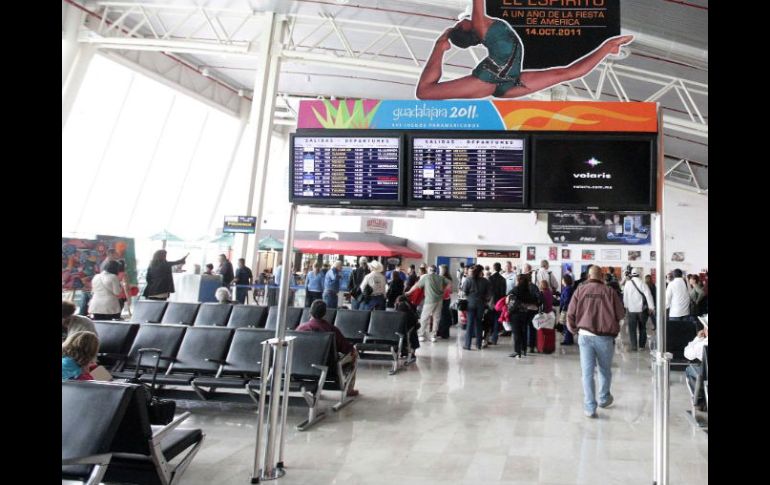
(489, 303)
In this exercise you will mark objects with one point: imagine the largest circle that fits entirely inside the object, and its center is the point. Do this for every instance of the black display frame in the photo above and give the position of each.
(348, 133)
(412, 203)
(650, 207)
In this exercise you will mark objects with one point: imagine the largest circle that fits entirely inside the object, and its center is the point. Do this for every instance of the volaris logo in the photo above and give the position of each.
(593, 163)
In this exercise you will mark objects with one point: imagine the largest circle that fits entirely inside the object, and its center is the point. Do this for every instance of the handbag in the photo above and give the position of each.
(462, 305)
(159, 411)
(543, 320)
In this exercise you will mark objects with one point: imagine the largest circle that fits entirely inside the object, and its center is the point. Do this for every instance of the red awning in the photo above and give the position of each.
(355, 248)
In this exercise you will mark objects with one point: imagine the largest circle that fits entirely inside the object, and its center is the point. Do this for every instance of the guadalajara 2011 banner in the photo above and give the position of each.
(478, 115)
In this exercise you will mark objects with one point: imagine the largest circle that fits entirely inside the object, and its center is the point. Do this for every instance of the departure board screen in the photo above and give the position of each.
(467, 172)
(346, 170)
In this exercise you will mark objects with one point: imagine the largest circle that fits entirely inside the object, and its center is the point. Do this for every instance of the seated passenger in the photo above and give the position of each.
(347, 353)
(71, 323)
(694, 351)
(223, 295)
(78, 356)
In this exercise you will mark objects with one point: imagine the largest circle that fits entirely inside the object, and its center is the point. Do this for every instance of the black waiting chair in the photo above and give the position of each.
(167, 338)
(331, 314)
(309, 372)
(201, 352)
(679, 333)
(214, 314)
(293, 316)
(148, 311)
(143, 454)
(115, 339)
(248, 316)
(181, 313)
(242, 363)
(338, 379)
(86, 437)
(386, 337)
(353, 324)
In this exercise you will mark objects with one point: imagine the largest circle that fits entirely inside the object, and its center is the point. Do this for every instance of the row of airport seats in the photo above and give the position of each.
(107, 436)
(224, 364)
(378, 335)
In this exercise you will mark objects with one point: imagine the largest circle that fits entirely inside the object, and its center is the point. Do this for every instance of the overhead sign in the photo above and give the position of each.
(376, 225)
(531, 45)
(599, 228)
(240, 224)
(484, 114)
(557, 32)
(498, 253)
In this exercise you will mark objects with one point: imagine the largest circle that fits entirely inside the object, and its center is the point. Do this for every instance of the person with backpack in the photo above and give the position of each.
(523, 304)
(639, 304)
(545, 274)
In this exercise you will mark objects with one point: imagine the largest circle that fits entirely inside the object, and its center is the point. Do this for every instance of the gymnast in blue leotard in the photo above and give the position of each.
(499, 74)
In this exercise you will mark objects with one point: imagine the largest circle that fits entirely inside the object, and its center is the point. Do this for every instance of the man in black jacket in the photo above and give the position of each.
(225, 270)
(497, 289)
(354, 283)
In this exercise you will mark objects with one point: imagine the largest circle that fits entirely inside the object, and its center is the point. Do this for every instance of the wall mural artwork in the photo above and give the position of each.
(82, 259)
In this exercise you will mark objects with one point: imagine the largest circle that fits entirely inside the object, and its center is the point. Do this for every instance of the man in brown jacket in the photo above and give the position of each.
(594, 314)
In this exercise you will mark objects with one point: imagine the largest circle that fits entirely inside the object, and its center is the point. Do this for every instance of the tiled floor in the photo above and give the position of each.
(462, 417)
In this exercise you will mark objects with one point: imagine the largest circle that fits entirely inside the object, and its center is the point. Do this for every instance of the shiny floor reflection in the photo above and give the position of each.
(475, 417)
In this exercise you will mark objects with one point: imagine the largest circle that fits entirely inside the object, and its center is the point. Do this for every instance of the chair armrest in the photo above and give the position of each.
(217, 361)
(399, 334)
(112, 355)
(148, 349)
(157, 437)
(365, 334)
(322, 368)
(103, 459)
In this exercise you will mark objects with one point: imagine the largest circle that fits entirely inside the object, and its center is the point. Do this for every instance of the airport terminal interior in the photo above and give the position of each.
(385, 242)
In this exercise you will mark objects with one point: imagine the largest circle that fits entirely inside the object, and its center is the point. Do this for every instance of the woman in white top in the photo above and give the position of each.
(105, 288)
(373, 287)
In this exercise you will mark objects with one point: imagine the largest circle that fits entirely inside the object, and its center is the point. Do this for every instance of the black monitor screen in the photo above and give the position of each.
(593, 173)
(467, 172)
(345, 170)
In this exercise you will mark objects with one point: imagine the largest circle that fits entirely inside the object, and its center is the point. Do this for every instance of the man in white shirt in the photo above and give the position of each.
(639, 305)
(545, 274)
(510, 276)
(677, 298)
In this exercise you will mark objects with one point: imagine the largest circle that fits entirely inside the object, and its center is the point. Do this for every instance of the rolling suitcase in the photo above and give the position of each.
(546, 340)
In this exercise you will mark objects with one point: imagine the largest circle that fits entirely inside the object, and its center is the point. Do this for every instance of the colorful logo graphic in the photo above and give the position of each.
(593, 162)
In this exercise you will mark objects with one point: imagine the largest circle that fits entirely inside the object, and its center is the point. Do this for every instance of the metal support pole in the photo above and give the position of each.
(285, 399)
(71, 85)
(261, 118)
(661, 359)
(270, 471)
(73, 19)
(264, 376)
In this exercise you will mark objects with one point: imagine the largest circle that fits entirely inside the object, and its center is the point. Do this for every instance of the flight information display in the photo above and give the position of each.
(346, 170)
(467, 172)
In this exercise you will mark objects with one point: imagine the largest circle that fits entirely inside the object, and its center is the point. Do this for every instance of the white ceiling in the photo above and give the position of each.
(672, 40)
